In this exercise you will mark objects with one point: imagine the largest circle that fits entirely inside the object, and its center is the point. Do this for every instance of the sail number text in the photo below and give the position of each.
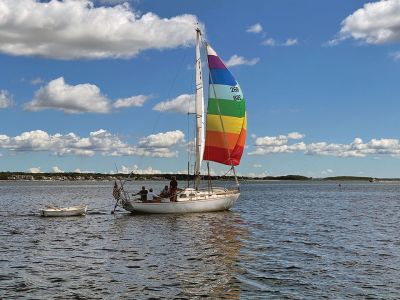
(235, 89)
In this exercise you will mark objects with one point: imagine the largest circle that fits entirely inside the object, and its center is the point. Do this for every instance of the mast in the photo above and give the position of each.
(199, 100)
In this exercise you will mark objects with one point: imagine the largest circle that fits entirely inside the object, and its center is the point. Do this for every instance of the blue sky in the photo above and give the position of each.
(80, 82)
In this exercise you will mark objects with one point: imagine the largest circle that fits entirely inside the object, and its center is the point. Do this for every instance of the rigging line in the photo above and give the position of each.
(157, 119)
(177, 73)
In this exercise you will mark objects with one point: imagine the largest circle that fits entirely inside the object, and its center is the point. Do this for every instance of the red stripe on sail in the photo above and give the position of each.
(220, 155)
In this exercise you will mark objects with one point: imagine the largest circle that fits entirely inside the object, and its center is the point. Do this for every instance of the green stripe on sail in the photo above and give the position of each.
(226, 107)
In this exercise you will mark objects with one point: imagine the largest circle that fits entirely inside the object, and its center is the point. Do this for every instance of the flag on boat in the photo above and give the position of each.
(226, 114)
(116, 192)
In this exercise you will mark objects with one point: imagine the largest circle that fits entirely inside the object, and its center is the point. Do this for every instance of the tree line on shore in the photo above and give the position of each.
(182, 177)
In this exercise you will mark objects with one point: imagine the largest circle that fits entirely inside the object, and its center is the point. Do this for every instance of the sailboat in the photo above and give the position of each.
(222, 140)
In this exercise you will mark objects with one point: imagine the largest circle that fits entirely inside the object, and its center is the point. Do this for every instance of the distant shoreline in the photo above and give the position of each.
(23, 176)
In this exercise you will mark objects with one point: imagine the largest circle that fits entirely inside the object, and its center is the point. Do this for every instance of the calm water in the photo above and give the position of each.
(283, 240)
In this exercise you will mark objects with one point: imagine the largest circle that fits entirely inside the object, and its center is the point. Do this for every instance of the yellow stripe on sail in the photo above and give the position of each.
(231, 124)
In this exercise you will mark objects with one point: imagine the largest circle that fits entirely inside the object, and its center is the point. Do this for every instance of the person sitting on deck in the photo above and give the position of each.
(173, 187)
(143, 194)
(152, 197)
(165, 192)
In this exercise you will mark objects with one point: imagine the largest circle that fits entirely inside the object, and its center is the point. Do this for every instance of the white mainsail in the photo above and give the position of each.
(199, 100)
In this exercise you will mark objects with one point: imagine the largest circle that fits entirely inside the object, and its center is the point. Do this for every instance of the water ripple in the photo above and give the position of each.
(282, 240)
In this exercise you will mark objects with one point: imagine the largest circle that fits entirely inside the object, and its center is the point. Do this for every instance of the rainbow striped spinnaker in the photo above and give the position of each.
(226, 115)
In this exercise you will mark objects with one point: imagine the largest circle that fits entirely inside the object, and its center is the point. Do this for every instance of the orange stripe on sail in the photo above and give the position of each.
(228, 140)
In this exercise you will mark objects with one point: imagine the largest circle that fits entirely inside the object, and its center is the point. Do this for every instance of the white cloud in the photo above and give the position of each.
(34, 170)
(395, 56)
(78, 29)
(269, 42)
(357, 148)
(100, 142)
(279, 149)
(112, 2)
(327, 171)
(70, 98)
(181, 104)
(135, 101)
(163, 139)
(272, 42)
(83, 171)
(56, 169)
(270, 141)
(236, 60)
(374, 23)
(135, 169)
(36, 80)
(257, 166)
(5, 99)
(80, 98)
(254, 175)
(290, 42)
(256, 28)
(296, 136)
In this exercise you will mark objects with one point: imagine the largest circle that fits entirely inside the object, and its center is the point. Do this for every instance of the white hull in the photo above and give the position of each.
(64, 212)
(199, 202)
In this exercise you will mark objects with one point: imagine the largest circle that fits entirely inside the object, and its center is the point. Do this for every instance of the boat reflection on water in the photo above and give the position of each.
(188, 255)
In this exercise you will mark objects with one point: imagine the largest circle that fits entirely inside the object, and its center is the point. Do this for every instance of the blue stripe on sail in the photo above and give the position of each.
(222, 76)
(226, 92)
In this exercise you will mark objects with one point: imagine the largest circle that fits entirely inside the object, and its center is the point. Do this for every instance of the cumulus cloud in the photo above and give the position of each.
(163, 139)
(296, 136)
(357, 148)
(269, 42)
(257, 166)
(70, 98)
(36, 80)
(82, 171)
(374, 23)
(101, 142)
(135, 101)
(327, 171)
(34, 170)
(80, 98)
(182, 104)
(254, 175)
(236, 60)
(273, 43)
(70, 29)
(256, 28)
(56, 169)
(5, 99)
(395, 56)
(290, 42)
(135, 169)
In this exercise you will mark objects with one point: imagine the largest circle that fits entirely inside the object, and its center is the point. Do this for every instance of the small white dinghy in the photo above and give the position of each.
(53, 211)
